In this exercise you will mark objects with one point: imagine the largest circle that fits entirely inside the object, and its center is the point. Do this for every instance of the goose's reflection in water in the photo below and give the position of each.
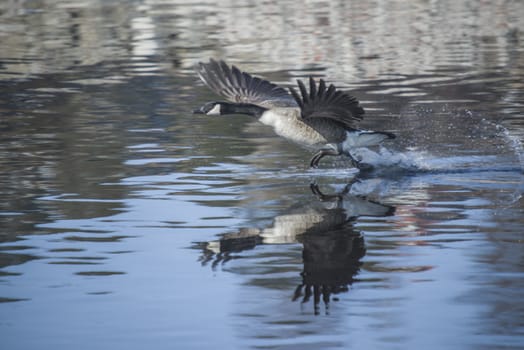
(332, 247)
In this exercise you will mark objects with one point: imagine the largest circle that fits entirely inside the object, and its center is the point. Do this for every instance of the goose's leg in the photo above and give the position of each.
(358, 163)
(321, 153)
(324, 197)
(355, 162)
(332, 197)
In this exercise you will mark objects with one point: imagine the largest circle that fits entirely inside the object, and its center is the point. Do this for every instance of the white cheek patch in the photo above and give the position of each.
(215, 110)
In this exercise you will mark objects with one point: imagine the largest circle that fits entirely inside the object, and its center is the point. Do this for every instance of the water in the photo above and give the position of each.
(128, 222)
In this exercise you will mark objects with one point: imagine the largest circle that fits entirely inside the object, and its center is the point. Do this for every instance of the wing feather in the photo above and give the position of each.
(327, 103)
(241, 87)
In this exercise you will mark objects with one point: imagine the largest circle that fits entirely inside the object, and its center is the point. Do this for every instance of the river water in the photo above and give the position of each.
(128, 222)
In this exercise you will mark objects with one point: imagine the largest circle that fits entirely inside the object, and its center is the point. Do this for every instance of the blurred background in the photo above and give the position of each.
(126, 220)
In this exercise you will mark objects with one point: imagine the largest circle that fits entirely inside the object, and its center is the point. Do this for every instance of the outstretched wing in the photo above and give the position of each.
(327, 103)
(241, 87)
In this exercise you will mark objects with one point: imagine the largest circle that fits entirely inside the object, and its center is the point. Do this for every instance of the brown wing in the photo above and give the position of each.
(241, 87)
(327, 103)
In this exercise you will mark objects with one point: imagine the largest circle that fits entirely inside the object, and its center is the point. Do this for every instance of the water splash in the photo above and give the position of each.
(484, 145)
(489, 157)
(386, 160)
(514, 143)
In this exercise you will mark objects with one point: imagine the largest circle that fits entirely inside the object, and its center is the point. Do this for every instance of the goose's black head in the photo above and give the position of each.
(212, 108)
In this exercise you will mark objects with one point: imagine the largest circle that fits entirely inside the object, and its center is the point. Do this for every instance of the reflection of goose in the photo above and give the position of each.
(332, 248)
(330, 213)
(331, 261)
(322, 119)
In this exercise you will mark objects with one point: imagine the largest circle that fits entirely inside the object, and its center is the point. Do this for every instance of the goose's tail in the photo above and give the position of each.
(364, 138)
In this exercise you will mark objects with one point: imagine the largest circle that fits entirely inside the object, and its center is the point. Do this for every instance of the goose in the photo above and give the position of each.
(322, 120)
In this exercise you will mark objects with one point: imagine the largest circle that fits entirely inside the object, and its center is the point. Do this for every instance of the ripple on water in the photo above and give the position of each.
(107, 178)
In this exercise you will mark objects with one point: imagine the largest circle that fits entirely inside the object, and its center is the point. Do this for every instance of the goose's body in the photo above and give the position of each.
(321, 120)
(287, 123)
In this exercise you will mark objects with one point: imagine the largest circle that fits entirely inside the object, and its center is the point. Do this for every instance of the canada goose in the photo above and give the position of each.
(322, 120)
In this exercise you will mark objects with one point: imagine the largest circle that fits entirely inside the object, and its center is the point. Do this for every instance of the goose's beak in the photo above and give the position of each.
(198, 111)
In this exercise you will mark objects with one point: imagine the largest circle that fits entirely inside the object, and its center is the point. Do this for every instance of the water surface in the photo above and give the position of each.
(127, 221)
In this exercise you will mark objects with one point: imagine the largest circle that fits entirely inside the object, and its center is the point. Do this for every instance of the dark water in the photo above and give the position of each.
(128, 222)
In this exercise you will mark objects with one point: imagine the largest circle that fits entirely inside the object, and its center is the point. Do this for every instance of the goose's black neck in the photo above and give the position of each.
(242, 108)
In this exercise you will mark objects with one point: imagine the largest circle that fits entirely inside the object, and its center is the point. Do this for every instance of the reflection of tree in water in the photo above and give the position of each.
(332, 248)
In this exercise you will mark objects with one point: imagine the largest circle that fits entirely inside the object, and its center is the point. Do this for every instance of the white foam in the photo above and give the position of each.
(515, 143)
(384, 158)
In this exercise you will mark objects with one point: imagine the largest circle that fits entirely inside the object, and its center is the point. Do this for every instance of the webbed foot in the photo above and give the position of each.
(320, 154)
